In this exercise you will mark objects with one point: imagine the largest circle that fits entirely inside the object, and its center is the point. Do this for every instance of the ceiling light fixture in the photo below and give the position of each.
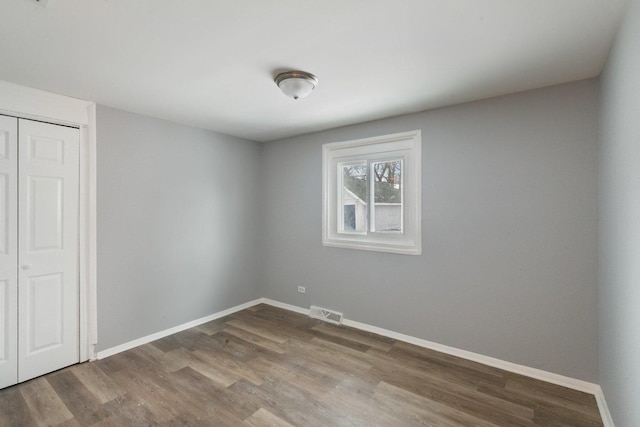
(296, 84)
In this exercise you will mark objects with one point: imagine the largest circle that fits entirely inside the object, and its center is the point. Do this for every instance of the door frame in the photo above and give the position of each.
(23, 102)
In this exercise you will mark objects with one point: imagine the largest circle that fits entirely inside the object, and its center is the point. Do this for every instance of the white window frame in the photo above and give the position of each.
(404, 146)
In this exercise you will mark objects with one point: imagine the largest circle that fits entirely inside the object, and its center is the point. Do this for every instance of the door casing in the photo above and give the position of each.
(23, 102)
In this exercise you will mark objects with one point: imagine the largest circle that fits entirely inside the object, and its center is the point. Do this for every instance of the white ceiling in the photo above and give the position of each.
(211, 63)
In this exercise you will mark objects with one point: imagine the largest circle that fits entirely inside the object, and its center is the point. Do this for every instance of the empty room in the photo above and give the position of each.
(320, 213)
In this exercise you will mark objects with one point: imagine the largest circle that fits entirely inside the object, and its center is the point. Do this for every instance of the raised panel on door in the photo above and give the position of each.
(8, 251)
(48, 242)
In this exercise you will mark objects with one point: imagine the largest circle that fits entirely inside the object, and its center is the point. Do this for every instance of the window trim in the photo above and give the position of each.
(405, 146)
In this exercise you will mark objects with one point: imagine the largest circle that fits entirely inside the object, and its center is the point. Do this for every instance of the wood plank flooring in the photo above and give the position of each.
(270, 367)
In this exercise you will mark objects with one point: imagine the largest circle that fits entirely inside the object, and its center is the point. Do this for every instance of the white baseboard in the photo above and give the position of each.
(607, 420)
(480, 358)
(156, 336)
(539, 374)
(285, 306)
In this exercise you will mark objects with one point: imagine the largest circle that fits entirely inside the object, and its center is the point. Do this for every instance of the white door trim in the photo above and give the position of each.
(24, 102)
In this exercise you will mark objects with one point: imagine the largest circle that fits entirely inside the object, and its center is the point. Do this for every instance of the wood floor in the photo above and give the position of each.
(270, 367)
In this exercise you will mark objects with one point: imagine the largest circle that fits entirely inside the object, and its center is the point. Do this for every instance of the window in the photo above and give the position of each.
(371, 194)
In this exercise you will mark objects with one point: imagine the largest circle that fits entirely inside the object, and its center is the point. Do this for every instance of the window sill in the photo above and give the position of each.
(388, 247)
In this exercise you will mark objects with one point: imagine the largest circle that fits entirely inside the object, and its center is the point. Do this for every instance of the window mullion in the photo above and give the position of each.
(340, 190)
(372, 198)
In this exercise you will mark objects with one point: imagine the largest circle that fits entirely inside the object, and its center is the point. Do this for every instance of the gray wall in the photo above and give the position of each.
(509, 223)
(177, 224)
(620, 225)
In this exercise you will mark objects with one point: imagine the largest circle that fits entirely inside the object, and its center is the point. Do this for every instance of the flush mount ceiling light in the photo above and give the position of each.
(296, 84)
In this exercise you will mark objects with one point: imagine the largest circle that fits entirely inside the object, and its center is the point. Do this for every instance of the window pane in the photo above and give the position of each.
(387, 187)
(354, 198)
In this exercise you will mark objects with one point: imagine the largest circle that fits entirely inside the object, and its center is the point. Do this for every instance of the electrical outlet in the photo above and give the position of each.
(302, 289)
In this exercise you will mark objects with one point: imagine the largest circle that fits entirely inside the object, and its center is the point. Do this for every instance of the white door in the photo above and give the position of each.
(8, 251)
(48, 319)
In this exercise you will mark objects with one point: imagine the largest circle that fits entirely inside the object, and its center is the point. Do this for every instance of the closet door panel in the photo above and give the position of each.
(8, 251)
(48, 255)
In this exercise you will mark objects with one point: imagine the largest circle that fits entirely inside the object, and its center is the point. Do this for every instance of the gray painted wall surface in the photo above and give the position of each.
(509, 223)
(177, 224)
(620, 225)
